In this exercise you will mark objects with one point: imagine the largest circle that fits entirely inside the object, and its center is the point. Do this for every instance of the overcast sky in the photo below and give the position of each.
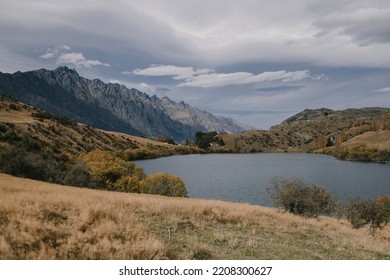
(256, 61)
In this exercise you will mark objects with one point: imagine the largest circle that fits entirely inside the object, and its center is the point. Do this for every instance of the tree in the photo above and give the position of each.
(204, 139)
(164, 184)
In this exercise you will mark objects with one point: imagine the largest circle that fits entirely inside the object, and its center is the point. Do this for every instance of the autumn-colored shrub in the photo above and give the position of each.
(164, 184)
(106, 168)
(129, 183)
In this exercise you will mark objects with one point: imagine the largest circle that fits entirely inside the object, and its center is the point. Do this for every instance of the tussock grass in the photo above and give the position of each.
(44, 221)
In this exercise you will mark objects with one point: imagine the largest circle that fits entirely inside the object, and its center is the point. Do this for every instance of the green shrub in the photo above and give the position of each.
(31, 164)
(374, 213)
(297, 197)
(78, 175)
(164, 184)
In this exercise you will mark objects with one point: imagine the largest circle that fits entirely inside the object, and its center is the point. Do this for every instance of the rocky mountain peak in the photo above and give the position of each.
(64, 70)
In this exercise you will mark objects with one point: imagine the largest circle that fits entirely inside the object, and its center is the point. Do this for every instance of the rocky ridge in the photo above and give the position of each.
(110, 106)
(323, 130)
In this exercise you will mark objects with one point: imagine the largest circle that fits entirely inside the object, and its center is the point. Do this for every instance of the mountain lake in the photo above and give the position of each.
(244, 178)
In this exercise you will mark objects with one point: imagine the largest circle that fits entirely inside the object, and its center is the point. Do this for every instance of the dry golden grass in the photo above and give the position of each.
(44, 221)
(372, 139)
(15, 118)
(140, 140)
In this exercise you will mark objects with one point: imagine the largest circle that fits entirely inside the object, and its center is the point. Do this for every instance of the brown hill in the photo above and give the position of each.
(321, 130)
(61, 135)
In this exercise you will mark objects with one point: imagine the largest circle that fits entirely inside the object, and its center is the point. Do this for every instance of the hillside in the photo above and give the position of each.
(108, 106)
(44, 221)
(61, 135)
(39, 145)
(321, 130)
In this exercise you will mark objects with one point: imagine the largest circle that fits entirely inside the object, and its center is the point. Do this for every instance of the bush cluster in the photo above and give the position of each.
(297, 197)
(374, 213)
(48, 116)
(112, 172)
(362, 153)
(205, 139)
(25, 156)
(164, 184)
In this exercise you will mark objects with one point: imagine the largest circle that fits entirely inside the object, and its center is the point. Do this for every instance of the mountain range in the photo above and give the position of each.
(111, 106)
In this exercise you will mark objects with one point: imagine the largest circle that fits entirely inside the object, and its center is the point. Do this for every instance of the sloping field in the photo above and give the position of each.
(44, 221)
(373, 139)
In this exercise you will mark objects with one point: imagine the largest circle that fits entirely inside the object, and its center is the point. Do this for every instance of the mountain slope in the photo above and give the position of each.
(108, 106)
(61, 136)
(318, 130)
(39, 145)
(201, 120)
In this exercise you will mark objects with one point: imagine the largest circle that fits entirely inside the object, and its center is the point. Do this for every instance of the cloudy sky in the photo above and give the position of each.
(253, 60)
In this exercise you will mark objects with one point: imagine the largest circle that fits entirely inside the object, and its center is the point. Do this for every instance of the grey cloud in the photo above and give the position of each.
(111, 27)
(250, 112)
(365, 25)
(205, 78)
(364, 22)
(383, 90)
(279, 88)
(205, 32)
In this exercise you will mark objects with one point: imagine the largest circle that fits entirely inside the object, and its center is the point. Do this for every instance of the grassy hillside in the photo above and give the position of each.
(64, 136)
(38, 145)
(44, 221)
(321, 130)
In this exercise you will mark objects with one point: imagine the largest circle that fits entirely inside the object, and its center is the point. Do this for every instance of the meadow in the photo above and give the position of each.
(39, 220)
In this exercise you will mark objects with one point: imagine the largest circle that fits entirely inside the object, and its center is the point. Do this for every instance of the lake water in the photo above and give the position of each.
(245, 177)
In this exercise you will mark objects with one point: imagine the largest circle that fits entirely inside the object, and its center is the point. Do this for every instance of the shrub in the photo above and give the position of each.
(78, 175)
(105, 168)
(31, 164)
(374, 213)
(297, 197)
(129, 183)
(164, 184)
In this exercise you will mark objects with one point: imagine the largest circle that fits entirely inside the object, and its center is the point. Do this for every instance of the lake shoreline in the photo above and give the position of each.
(222, 175)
